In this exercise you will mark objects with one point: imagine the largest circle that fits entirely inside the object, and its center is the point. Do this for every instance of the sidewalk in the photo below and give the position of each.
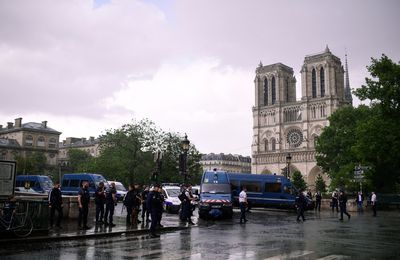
(70, 230)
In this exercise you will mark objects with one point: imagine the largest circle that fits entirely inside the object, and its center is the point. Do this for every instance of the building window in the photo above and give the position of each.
(265, 92)
(29, 140)
(322, 79)
(41, 141)
(266, 145)
(314, 83)
(52, 143)
(273, 92)
(315, 140)
(287, 90)
(3, 155)
(273, 144)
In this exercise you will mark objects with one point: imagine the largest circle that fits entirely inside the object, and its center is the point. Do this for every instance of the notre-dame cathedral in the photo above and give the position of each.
(285, 130)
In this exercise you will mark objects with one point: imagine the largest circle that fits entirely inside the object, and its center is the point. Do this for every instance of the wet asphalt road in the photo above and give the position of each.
(267, 235)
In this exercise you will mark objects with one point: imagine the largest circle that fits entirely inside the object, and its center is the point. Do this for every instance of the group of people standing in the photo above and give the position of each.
(150, 202)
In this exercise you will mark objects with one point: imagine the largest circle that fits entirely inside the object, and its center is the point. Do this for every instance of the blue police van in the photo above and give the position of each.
(72, 182)
(215, 195)
(39, 183)
(266, 190)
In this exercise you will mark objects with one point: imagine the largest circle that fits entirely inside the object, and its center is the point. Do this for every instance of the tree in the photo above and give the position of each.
(79, 160)
(298, 181)
(320, 184)
(384, 88)
(335, 146)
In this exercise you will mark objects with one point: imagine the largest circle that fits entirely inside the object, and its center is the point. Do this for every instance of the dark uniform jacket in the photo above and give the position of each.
(55, 198)
(100, 196)
(129, 200)
(301, 201)
(85, 196)
(342, 199)
(109, 197)
(154, 202)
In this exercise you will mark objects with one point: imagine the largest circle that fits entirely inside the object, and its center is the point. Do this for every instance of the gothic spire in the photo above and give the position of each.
(347, 90)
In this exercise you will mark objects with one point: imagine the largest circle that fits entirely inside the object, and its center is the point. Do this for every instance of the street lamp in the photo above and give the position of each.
(288, 161)
(185, 144)
(158, 160)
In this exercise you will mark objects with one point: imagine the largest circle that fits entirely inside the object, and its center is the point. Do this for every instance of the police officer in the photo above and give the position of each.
(342, 205)
(145, 212)
(55, 203)
(154, 205)
(83, 201)
(187, 206)
(128, 203)
(111, 200)
(335, 201)
(100, 200)
(300, 204)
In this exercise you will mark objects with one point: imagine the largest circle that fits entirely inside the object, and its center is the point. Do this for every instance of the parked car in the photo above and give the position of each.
(121, 190)
(172, 204)
(72, 182)
(39, 183)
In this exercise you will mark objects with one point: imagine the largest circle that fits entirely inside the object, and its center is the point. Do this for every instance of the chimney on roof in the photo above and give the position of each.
(1, 127)
(44, 124)
(18, 122)
(83, 140)
(9, 125)
(92, 139)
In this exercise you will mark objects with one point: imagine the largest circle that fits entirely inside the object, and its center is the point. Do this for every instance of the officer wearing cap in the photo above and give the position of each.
(155, 207)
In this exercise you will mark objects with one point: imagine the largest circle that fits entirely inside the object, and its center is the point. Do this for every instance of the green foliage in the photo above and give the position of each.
(298, 181)
(320, 184)
(369, 136)
(79, 160)
(32, 163)
(127, 154)
(384, 88)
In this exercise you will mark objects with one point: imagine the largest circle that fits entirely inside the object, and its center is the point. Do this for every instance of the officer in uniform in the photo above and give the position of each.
(342, 205)
(55, 203)
(187, 206)
(83, 201)
(154, 205)
(100, 200)
(300, 204)
(318, 199)
(145, 212)
(111, 200)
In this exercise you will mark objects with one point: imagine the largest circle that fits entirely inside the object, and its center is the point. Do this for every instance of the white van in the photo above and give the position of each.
(172, 204)
(121, 190)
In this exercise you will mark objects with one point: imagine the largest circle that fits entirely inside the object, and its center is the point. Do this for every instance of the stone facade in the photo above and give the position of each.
(91, 146)
(282, 125)
(226, 162)
(23, 139)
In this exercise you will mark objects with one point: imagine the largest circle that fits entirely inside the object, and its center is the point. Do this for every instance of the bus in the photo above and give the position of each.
(266, 190)
(215, 195)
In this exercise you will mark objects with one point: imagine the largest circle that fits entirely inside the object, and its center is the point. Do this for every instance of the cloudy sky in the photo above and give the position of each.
(86, 66)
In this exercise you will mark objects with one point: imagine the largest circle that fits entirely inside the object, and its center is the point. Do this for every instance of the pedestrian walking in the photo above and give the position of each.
(154, 205)
(100, 200)
(360, 200)
(243, 205)
(111, 201)
(373, 203)
(83, 202)
(300, 204)
(318, 199)
(334, 202)
(145, 212)
(342, 205)
(56, 204)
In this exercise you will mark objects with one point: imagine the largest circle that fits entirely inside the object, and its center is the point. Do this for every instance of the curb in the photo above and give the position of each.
(35, 239)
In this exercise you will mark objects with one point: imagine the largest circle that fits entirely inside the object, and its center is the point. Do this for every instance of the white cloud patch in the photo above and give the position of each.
(209, 101)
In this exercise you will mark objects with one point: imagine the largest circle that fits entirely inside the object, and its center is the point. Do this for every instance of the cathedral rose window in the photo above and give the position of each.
(295, 137)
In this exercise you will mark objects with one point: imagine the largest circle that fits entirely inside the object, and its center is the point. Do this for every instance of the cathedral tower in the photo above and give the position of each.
(283, 126)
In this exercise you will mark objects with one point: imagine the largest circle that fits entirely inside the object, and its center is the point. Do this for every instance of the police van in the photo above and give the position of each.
(72, 182)
(215, 195)
(39, 183)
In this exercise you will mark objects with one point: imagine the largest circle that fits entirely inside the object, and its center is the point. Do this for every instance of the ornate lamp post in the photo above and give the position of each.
(185, 144)
(288, 161)
(158, 160)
